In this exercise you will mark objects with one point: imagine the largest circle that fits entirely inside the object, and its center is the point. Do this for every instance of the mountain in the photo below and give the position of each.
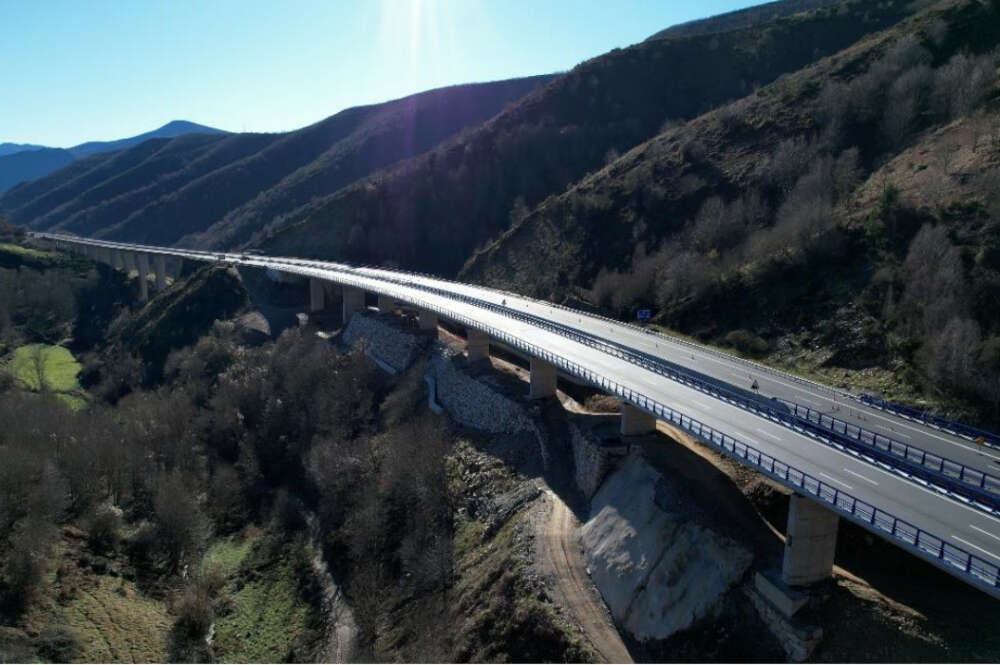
(11, 148)
(841, 221)
(741, 18)
(471, 188)
(219, 189)
(169, 130)
(30, 164)
(17, 166)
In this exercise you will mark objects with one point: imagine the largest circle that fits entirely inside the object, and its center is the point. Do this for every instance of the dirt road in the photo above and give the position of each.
(559, 557)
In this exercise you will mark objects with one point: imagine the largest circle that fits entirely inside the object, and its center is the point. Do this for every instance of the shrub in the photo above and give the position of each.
(57, 643)
(103, 525)
(747, 342)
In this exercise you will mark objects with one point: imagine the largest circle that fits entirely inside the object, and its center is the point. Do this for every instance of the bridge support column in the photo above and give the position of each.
(543, 379)
(316, 294)
(428, 320)
(117, 259)
(160, 268)
(477, 345)
(143, 265)
(386, 304)
(810, 542)
(636, 421)
(128, 260)
(354, 301)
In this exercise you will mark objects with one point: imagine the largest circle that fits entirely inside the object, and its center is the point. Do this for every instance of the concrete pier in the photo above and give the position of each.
(477, 345)
(386, 304)
(354, 301)
(160, 267)
(117, 259)
(810, 542)
(316, 295)
(428, 320)
(636, 421)
(128, 260)
(142, 260)
(543, 379)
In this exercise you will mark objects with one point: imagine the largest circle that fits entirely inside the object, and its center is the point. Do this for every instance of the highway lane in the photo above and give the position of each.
(741, 374)
(942, 516)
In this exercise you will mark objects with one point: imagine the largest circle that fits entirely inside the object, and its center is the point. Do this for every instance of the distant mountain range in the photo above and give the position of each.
(21, 162)
(220, 189)
(11, 148)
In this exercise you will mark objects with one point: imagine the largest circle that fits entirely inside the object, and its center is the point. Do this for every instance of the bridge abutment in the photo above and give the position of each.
(477, 345)
(810, 542)
(636, 421)
(543, 379)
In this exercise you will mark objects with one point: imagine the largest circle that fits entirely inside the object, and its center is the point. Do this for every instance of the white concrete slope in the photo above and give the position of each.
(940, 529)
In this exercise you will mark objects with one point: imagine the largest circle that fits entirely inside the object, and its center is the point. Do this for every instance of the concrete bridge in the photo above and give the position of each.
(924, 490)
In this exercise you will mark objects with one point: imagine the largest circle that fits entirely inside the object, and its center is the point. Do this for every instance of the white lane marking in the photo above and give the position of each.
(854, 473)
(984, 532)
(768, 434)
(839, 482)
(963, 540)
(702, 405)
(893, 432)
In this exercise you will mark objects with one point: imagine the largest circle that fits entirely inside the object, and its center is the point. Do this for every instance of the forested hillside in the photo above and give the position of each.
(431, 212)
(225, 187)
(844, 217)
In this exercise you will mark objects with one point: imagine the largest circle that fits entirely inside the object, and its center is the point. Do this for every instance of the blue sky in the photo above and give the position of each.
(78, 70)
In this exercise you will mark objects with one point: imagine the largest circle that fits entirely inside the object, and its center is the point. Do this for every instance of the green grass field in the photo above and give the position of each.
(26, 252)
(38, 367)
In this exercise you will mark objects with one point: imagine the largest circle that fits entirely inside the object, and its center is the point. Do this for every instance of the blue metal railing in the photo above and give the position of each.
(934, 420)
(977, 571)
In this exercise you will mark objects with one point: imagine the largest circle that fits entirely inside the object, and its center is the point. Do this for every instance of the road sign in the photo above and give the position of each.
(644, 314)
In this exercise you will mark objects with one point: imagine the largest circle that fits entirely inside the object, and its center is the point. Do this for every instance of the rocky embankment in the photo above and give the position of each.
(387, 341)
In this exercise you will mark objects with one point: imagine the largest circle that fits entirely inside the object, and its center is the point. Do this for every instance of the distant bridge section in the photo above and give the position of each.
(929, 491)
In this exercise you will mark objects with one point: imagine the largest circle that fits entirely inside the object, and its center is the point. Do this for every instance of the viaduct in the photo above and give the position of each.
(925, 486)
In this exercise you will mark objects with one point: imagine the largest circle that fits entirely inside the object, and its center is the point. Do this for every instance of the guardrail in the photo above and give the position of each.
(940, 422)
(975, 487)
(975, 570)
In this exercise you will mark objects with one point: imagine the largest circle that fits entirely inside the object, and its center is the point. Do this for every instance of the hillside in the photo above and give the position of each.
(11, 148)
(841, 221)
(225, 187)
(741, 18)
(469, 189)
(23, 163)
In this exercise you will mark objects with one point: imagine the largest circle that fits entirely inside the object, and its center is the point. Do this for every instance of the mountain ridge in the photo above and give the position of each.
(25, 162)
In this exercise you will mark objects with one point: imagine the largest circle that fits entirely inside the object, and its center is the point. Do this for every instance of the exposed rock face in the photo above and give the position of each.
(387, 342)
(658, 571)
